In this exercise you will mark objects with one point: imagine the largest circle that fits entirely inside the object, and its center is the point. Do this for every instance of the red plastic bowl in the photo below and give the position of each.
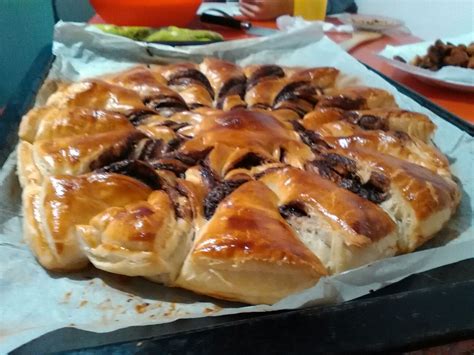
(152, 13)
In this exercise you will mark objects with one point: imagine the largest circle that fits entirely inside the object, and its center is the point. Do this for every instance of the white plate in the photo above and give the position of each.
(372, 23)
(450, 77)
(426, 76)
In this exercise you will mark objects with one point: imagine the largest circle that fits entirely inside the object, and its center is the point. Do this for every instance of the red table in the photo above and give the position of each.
(456, 102)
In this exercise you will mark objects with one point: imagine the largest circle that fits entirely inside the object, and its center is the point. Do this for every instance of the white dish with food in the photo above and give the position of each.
(453, 77)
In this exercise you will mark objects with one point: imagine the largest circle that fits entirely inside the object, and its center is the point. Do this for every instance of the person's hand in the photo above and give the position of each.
(266, 9)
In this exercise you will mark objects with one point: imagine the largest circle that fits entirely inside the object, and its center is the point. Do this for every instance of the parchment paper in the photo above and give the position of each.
(448, 74)
(34, 301)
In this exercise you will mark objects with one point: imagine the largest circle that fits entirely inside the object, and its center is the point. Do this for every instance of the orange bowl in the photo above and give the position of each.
(151, 13)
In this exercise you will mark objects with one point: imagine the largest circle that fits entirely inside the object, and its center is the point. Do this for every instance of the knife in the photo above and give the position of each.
(228, 21)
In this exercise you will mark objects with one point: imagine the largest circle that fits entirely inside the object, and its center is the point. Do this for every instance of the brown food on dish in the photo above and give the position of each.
(442, 54)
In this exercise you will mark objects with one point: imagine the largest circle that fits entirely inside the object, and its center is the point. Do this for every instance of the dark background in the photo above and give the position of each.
(26, 27)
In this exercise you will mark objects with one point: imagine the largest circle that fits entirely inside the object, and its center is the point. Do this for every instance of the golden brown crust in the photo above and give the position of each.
(398, 145)
(142, 238)
(97, 95)
(79, 198)
(313, 179)
(220, 72)
(141, 80)
(358, 98)
(227, 80)
(64, 202)
(248, 226)
(195, 95)
(415, 124)
(170, 70)
(320, 116)
(235, 134)
(362, 220)
(264, 93)
(426, 191)
(74, 155)
(49, 123)
(374, 98)
(189, 82)
(28, 172)
(323, 77)
(248, 240)
(36, 238)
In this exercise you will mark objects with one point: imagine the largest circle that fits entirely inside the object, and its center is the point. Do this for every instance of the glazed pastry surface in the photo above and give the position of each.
(247, 184)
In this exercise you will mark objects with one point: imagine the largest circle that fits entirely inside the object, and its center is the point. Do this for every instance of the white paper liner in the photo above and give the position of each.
(34, 302)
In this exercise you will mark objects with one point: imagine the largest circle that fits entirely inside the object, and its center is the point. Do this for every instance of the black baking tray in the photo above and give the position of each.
(425, 309)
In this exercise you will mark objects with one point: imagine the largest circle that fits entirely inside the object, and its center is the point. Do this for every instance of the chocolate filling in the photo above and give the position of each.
(234, 86)
(248, 161)
(310, 138)
(210, 177)
(186, 81)
(342, 171)
(137, 117)
(293, 106)
(283, 154)
(181, 206)
(174, 144)
(350, 116)
(370, 122)
(191, 158)
(119, 151)
(342, 102)
(161, 101)
(367, 122)
(174, 125)
(136, 169)
(175, 166)
(265, 71)
(340, 164)
(195, 105)
(166, 105)
(402, 136)
(298, 90)
(370, 190)
(380, 181)
(293, 209)
(157, 149)
(152, 149)
(218, 193)
(308, 92)
(189, 77)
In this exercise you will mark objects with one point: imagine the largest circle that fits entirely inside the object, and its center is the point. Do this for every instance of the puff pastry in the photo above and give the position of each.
(242, 183)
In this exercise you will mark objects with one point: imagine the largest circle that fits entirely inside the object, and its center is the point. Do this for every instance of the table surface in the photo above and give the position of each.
(456, 102)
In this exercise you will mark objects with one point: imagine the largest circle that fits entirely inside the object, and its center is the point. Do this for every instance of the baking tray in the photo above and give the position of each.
(425, 309)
